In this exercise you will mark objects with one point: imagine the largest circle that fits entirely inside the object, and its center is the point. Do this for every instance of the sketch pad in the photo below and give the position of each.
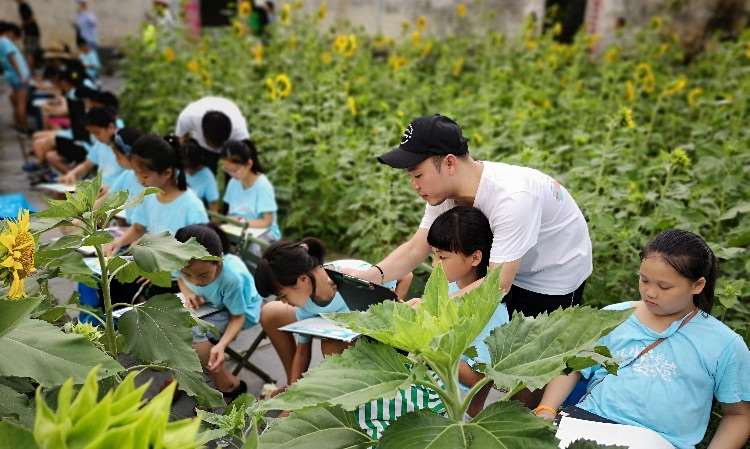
(572, 429)
(359, 294)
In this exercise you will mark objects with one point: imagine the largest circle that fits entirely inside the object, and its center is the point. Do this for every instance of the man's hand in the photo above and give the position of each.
(371, 274)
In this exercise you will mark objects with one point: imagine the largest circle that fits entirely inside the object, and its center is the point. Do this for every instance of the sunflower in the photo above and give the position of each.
(326, 57)
(676, 87)
(169, 54)
(461, 10)
(629, 91)
(257, 51)
(627, 116)
(421, 23)
(351, 103)
(286, 14)
(18, 260)
(693, 95)
(397, 62)
(645, 76)
(322, 11)
(283, 85)
(457, 67)
(245, 8)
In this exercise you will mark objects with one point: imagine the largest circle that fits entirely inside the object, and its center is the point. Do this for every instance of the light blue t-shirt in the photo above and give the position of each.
(253, 202)
(234, 290)
(101, 155)
(203, 183)
(669, 389)
(311, 310)
(8, 48)
(90, 61)
(127, 181)
(499, 317)
(158, 217)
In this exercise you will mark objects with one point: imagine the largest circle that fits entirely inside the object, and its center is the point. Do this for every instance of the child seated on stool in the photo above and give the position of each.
(227, 285)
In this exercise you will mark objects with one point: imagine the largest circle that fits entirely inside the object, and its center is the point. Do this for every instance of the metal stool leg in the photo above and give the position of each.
(243, 360)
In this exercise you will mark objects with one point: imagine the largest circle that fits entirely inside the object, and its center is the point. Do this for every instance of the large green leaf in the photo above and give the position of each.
(69, 264)
(161, 252)
(192, 383)
(503, 425)
(315, 428)
(440, 329)
(41, 351)
(15, 437)
(13, 312)
(532, 351)
(364, 372)
(16, 406)
(159, 330)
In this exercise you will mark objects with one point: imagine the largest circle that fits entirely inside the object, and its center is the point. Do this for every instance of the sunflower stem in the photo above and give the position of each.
(109, 329)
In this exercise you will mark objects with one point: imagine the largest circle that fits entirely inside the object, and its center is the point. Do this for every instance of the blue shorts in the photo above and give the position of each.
(219, 319)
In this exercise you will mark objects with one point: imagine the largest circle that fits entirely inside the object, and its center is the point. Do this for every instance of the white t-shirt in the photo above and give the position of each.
(190, 119)
(533, 218)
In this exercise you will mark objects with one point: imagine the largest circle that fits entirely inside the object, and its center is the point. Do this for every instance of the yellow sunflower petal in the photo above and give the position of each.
(23, 220)
(9, 262)
(17, 290)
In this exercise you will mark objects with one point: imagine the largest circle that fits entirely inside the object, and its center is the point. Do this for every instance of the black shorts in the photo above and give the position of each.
(69, 150)
(532, 304)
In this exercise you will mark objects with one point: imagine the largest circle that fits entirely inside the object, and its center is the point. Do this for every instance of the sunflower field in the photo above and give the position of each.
(643, 140)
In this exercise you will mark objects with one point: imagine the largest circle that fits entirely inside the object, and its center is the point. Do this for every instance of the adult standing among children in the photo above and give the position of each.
(86, 24)
(540, 237)
(212, 121)
(30, 28)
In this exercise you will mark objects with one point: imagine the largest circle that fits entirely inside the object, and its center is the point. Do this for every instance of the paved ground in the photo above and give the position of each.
(13, 179)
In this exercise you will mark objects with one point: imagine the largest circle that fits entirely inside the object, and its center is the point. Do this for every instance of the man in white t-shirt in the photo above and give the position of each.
(540, 236)
(211, 121)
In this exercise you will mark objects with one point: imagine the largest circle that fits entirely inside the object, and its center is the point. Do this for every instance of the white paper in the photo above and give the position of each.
(200, 312)
(236, 231)
(572, 429)
(320, 327)
(57, 187)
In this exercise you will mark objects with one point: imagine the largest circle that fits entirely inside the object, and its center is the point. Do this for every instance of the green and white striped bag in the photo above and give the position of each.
(374, 417)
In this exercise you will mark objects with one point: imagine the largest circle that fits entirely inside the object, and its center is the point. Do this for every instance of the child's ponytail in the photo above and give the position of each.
(241, 152)
(176, 145)
(691, 257)
(161, 154)
(284, 262)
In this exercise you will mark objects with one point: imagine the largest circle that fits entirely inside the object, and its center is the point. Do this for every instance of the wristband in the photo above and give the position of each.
(382, 275)
(542, 408)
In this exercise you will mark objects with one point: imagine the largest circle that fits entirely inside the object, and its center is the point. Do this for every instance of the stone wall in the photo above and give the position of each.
(120, 18)
(116, 18)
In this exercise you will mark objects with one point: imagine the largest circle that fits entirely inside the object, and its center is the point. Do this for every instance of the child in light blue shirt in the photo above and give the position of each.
(157, 163)
(249, 193)
(90, 60)
(200, 178)
(101, 124)
(461, 239)
(16, 72)
(127, 180)
(227, 285)
(674, 358)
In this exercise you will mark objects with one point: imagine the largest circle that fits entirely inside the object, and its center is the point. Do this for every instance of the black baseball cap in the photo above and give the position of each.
(426, 136)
